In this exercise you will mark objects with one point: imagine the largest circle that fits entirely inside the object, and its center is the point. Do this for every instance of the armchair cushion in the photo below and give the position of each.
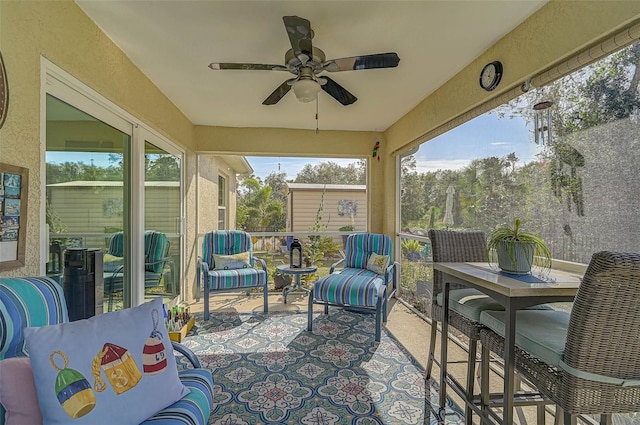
(236, 278)
(231, 262)
(95, 370)
(111, 263)
(18, 392)
(358, 287)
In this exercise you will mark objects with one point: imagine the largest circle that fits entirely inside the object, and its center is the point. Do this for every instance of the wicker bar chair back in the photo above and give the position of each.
(457, 246)
(599, 372)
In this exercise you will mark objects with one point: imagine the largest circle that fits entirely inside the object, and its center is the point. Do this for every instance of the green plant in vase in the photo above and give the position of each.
(517, 250)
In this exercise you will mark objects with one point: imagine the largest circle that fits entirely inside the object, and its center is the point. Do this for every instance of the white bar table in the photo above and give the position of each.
(514, 293)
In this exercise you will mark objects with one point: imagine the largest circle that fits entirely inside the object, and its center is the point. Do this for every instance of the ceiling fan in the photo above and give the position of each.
(306, 61)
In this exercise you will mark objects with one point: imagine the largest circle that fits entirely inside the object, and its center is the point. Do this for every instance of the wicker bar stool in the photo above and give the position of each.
(585, 362)
(465, 304)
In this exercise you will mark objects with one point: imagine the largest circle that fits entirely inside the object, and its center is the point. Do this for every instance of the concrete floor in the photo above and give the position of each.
(411, 330)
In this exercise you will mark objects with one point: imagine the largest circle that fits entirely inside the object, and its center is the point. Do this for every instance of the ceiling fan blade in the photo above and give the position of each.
(379, 60)
(278, 93)
(300, 34)
(338, 92)
(247, 66)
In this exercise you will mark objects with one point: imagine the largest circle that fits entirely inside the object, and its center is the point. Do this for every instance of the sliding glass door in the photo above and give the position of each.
(112, 187)
(87, 207)
(163, 219)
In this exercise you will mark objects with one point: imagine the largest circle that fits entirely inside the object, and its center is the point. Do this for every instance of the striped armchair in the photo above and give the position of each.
(156, 253)
(366, 281)
(227, 264)
(39, 301)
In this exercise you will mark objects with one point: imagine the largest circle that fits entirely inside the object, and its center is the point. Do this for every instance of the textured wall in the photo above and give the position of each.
(63, 34)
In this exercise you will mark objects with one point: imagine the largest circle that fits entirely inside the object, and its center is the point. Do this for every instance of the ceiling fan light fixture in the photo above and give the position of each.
(306, 90)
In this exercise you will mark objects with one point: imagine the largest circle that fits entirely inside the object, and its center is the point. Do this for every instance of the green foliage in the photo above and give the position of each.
(332, 173)
(256, 208)
(412, 249)
(512, 235)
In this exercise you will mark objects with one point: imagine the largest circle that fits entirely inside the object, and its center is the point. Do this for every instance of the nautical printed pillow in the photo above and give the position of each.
(114, 368)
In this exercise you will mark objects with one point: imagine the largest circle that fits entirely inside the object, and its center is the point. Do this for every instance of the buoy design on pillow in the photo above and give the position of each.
(72, 389)
(119, 367)
(154, 353)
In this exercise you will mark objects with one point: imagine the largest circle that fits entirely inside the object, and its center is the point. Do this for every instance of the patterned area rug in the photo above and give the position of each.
(268, 369)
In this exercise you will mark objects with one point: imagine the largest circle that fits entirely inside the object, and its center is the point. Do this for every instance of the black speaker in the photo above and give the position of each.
(83, 282)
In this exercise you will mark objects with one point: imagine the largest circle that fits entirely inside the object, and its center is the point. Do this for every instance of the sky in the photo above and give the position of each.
(484, 136)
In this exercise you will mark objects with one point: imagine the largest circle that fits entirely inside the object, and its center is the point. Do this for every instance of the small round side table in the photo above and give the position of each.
(297, 272)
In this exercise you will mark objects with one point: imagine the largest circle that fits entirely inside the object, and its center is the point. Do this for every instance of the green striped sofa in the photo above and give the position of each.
(356, 285)
(39, 301)
(219, 279)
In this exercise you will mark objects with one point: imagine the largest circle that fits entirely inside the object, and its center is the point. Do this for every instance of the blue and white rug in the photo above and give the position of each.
(268, 369)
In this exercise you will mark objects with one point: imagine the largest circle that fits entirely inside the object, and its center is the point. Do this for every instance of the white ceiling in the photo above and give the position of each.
(173, 42)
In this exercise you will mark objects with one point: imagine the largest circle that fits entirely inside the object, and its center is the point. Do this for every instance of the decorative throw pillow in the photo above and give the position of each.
(230, 262)
(112, 263)
(18, 392)
(377, 263)
(114, 368)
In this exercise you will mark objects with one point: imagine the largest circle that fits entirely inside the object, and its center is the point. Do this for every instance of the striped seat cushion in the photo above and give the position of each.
(195, 408)
(27, 302)
(236, 278)
(350, 286)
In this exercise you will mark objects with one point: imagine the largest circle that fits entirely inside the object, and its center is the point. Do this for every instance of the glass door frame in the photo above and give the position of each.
(57, 82)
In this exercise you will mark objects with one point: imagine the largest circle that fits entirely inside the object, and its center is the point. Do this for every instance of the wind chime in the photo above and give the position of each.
(542, 122)
(563, 155)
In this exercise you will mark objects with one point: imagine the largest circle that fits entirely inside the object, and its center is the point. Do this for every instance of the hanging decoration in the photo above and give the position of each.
(542, 122)
(564, 162)
(374, 154)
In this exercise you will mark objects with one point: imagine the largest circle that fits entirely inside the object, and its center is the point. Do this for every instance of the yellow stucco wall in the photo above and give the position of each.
(59, 31)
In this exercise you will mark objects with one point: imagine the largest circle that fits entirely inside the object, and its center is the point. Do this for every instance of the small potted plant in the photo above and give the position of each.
(517, 250)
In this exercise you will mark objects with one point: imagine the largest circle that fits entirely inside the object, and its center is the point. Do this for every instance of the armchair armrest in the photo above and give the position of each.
(185, 351)
(391, 268)
(262, 263)
(334, 265)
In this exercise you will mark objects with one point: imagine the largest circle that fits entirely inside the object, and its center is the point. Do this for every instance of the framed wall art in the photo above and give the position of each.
(14, 183)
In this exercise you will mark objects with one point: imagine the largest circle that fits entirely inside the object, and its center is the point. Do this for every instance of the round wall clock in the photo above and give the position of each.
(491, 75)
(4, 92)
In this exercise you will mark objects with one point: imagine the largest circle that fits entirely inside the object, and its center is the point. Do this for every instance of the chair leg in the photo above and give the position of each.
(541, 413)
(570, 419)
(605, 420)
(379, 318)
(326, 308)
(310, 313)
(265, 295)
(385, 304)
(206, 299)
(471, 371)
(485, 360)
(432, 348)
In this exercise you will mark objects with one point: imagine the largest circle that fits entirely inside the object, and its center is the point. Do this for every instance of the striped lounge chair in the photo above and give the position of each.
(39, 301)
(227, 264)
(366, 282)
